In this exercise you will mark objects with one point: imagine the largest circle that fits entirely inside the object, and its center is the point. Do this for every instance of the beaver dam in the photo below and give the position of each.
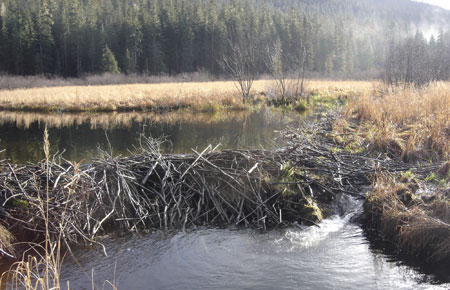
(298, 185)
(252, 188)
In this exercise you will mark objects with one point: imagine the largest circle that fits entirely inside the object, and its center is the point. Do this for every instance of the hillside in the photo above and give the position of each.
(69, 38)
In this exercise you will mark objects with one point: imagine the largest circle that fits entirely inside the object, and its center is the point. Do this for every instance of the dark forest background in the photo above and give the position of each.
(72, 38)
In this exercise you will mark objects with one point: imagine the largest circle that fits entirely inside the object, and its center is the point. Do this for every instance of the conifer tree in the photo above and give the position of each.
(109, 63)
(153, 55)
(44, 39)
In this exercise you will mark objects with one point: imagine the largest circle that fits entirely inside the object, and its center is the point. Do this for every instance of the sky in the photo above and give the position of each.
(442, 3)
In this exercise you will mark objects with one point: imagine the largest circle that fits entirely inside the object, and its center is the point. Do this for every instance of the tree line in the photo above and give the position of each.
(416, 61)
(73, 37)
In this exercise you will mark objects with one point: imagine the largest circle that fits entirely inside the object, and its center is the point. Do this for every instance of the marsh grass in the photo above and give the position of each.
(408, 124)
(197, 96)
(419, 224)
(40, 265)
(159, 97)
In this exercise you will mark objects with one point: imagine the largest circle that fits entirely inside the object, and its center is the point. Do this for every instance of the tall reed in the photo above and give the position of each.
(40, 267)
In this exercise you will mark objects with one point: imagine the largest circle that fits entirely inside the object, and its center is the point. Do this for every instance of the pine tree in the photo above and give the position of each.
(75, 39)
(171, 45)
(67, 37)
(20, 34)
(3, 39)
(186, 39)
(133, 30)
(44, 39)
(152, 51)
(127, 63)
(109, 63)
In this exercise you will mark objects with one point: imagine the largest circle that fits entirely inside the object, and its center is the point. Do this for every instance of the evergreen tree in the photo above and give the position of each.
(127, 63)
(109, 63)
(133, 30)
(44, 39)
(153, 55)
(75, 39)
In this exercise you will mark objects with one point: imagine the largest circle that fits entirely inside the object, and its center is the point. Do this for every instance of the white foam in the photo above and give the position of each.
(306, 237)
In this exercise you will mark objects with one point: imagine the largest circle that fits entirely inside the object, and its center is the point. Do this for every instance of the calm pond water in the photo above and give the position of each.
(79, 135)
(338, 255)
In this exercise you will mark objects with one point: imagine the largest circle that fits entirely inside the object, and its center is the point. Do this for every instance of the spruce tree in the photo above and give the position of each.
(44, 39)
(153, 54)
(109, 63)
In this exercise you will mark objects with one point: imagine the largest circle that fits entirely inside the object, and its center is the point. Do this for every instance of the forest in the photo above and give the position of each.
(153, 37)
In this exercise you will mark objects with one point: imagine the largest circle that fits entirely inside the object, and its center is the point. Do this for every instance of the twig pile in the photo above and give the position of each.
(149, 190)
(313, 149)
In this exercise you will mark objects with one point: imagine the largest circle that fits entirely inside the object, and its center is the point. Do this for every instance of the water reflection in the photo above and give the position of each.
(79, 135)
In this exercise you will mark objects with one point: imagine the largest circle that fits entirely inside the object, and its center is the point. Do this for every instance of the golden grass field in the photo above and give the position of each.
(200, 96)
(410, 124)
(413, 125)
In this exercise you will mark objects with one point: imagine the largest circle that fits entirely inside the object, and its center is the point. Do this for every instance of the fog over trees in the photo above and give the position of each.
(324, 37)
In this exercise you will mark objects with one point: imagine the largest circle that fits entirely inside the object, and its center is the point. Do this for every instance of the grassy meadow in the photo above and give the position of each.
(197, 96)
(409, 124)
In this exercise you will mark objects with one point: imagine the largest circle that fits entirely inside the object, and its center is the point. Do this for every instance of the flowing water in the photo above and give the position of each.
(336, 255)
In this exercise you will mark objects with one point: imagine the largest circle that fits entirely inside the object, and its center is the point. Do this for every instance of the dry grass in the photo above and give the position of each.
(6, 243)
(409, 124)
(200, 96)
(11, 82)
(40, 269)
(419, 225)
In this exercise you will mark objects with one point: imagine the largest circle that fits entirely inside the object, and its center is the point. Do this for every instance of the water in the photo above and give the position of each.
(335, 256)
(79, 135)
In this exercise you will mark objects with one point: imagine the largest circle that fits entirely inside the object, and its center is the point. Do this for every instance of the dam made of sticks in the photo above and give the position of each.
(257, 188)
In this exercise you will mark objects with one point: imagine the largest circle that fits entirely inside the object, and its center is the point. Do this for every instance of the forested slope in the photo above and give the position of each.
(70, 37)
